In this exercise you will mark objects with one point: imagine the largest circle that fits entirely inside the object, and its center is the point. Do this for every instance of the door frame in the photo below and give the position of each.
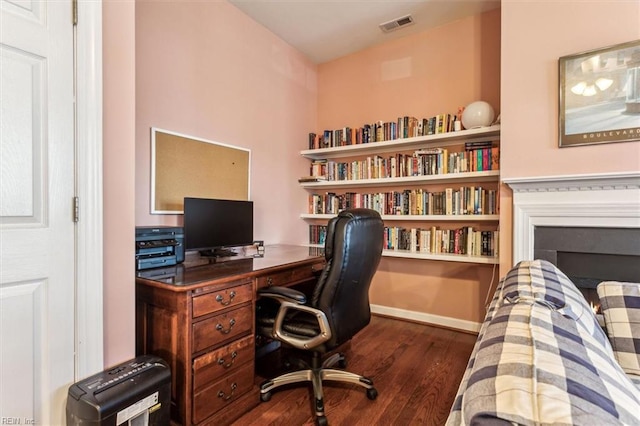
(89, 188)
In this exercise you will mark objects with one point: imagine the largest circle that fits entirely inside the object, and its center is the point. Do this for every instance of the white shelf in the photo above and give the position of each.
(487, 176)
(440, 140)
(491, 133)
(420, 218)
(443, 257)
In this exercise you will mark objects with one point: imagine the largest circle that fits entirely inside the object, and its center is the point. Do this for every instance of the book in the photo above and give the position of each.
(477, 145)
(312, 179)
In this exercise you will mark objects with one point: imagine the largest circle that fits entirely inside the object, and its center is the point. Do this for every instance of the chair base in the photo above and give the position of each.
(316, 374)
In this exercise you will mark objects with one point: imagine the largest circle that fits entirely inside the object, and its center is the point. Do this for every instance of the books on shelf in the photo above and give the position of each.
(463, 241)
(422, 162)
(317, 234)
(469, 154)
(403, 127)
(465, 200)
(432, 240)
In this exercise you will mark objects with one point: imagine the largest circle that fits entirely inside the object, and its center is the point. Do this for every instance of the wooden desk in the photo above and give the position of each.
(200, 319)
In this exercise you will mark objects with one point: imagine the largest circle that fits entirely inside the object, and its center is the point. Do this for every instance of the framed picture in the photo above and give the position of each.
(600, 96)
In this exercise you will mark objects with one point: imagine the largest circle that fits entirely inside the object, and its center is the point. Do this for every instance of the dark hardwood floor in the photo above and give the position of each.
(415, 368)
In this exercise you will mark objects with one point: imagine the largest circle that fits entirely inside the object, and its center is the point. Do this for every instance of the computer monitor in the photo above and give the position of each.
(211, 225)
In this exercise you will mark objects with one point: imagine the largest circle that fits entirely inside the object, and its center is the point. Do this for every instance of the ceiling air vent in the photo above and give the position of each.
(396, 24)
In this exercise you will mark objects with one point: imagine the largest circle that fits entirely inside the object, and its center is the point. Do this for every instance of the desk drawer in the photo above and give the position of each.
(213, 365)
(212, 302)
(222, 327)
(222, 393)
(291, 276)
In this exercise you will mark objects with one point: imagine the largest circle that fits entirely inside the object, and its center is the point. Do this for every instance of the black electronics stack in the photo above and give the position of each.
(158, 246)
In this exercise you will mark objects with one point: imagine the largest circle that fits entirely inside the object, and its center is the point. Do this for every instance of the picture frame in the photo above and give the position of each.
(599, 99)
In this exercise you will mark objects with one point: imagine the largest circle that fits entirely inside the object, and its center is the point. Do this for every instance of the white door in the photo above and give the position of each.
(37, 249)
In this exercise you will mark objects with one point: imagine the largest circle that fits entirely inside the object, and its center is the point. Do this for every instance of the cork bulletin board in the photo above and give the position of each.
(185, 166)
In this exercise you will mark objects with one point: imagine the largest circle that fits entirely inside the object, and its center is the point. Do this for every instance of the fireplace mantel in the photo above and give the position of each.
(594, 200)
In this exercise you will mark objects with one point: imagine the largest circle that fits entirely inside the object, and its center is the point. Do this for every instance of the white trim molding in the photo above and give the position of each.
(595, 200)
(429, 319)
(89, 235)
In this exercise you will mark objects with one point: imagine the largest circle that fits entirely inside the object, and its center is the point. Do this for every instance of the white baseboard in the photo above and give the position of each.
(422, 317)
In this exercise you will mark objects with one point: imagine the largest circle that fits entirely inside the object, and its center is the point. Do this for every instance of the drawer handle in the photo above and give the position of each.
(234, 354)
(220, 299)
(269, 281)
(221, 329)
(225, 397)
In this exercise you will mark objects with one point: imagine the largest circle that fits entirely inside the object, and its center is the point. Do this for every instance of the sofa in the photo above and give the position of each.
(542, 357)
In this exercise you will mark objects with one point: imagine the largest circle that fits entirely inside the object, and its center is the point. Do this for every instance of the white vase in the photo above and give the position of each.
(477, 114)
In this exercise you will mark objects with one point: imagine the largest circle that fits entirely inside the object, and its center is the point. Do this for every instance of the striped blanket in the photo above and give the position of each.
(542, 358)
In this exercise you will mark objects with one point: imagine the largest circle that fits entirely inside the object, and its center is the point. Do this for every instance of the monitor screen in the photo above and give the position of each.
(211, 224)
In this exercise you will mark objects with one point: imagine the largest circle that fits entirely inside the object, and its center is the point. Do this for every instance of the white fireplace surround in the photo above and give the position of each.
(595, 200)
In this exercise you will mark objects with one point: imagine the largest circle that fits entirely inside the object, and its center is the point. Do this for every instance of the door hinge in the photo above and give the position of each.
(76, 209)
(74, 11)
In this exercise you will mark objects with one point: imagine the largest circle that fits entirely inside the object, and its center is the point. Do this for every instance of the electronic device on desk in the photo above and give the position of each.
(214, 226)
(158, 246)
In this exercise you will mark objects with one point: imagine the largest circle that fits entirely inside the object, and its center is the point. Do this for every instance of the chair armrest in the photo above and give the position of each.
(283, 294)
(296, 342)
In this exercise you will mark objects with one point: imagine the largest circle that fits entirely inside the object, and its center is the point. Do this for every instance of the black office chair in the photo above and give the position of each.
(338, 309)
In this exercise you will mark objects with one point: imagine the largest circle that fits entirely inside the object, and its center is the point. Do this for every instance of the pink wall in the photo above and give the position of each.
(207, 70)
(530, 83)
(534, 35)
(424, 74)
(118, 37)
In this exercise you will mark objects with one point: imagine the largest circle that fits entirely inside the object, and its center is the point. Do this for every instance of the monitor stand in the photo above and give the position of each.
(217, 253)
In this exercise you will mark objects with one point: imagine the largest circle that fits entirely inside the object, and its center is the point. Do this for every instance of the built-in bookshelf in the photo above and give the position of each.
(418, 218)
(484, 176)
(448, 167)
(451, 201)
(462, 244)
(490, 133)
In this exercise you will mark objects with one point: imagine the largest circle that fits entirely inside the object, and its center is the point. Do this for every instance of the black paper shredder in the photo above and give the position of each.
(136, 393)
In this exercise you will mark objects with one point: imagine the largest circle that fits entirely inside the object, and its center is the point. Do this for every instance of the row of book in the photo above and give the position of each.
(403, 127)
(463, 241)
(433, 240)
(423, 162)
(465, 200)
(317, 234)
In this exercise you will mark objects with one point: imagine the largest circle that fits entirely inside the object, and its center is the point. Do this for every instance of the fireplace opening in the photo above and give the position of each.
(590, 255)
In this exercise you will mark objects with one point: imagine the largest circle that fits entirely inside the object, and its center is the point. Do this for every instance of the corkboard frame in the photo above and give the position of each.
(187, 166)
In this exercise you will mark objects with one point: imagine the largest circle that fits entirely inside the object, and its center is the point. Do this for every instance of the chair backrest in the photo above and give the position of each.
(353, 248)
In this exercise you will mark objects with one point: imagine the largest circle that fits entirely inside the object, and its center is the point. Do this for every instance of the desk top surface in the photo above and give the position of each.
(193, 273)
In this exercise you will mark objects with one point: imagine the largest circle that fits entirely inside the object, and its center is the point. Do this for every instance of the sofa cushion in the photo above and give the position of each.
(536, 365)
(620, 304)
(543, 282)
(541, 357)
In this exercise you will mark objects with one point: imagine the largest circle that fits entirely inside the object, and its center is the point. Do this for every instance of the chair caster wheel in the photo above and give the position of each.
(264, 397)
(321, 421)
(372, 393)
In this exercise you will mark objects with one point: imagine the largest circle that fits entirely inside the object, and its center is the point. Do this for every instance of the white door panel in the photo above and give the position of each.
(37, 248)
(23, 334)
(21, 151)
